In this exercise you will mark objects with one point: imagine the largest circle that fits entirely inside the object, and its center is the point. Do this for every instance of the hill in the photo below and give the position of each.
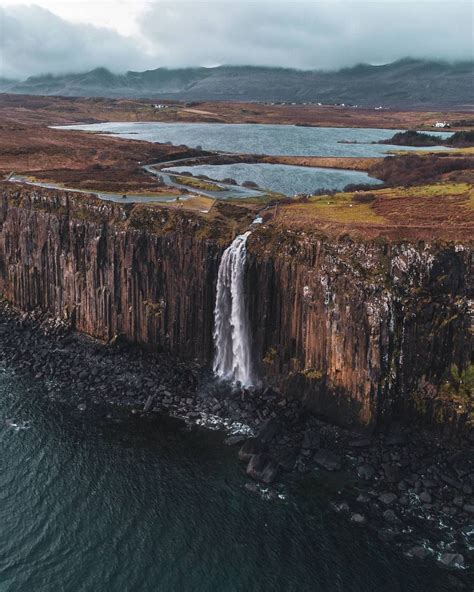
(405, 83)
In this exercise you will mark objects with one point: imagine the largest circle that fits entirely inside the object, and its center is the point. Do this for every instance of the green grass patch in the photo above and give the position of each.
(197, 183)
(339, 208)
(266, 198)
(440, 190)
(464, 151)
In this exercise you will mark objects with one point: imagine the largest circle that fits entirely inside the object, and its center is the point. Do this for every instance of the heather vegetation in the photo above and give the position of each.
(411, 169)
(412, 138)
(460, 139)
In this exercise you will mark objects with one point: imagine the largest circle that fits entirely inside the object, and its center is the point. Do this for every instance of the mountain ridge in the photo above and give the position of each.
(404, 83)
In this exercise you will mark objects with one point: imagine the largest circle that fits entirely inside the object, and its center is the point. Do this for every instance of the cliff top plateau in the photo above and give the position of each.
(424, 196)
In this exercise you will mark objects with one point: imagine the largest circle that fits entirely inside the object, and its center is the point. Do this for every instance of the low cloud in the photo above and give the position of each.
(36, 41)
(305, 35)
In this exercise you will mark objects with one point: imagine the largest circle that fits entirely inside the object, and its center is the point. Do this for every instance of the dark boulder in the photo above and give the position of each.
(396, 439)
(287, 458)
(390, 516)
(250, 448)
(366, 472)
(328, 460)
(311, 440)
(392, 472)
(269, 394)
(360, 443)
(425, 497)
(388, 498)
(452, 560)
(450, 481)
(235, 440)
(418, 551)
(358, 519)
(268, 430)
(262, 467)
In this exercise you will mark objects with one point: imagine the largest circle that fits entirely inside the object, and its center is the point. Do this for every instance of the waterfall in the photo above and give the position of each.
(231, 324)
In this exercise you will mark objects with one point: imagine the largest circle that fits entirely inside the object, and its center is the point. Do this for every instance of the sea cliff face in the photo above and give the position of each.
(362, 331)
(111, 270)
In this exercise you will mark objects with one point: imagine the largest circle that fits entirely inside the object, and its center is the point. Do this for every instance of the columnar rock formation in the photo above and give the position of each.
(140, 273)
(360, 330)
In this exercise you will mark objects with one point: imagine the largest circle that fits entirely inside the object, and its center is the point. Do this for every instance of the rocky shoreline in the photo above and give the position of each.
(412, 488)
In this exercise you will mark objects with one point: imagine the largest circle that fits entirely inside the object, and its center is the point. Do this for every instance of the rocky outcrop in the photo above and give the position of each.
(140, 273)
(362, 331)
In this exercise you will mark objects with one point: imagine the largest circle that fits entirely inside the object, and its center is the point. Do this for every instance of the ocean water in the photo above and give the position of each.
(125, 504)
(284, 179)
(258, 138)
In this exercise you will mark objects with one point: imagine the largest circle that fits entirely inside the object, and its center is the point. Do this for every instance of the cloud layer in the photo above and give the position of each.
(329, 34)
(36, 41)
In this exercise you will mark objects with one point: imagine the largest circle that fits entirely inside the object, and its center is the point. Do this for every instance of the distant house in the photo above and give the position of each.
(441, 124)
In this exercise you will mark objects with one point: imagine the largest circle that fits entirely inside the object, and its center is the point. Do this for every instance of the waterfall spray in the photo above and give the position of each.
(231, 325)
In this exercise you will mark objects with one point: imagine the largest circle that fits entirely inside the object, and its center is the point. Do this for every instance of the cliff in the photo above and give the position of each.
(111, 270)
(363, 331)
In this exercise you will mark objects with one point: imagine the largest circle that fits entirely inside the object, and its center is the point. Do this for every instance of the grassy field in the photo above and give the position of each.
(195, 183)
(334, 208)
(196, 203)
(333, 162)
(266, 198)
(466, 151)
(432, 210)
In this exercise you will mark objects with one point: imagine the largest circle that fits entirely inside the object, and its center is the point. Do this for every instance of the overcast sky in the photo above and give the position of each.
(71, 36)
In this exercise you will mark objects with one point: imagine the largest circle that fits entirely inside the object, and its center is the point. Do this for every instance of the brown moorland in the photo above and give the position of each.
(428, 196)
(66, 110)
(438, 211)
(87, 161)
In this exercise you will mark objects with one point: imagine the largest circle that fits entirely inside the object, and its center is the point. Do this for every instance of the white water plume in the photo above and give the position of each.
(231, 324)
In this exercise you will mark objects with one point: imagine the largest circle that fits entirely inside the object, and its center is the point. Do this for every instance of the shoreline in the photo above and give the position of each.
(413, 488)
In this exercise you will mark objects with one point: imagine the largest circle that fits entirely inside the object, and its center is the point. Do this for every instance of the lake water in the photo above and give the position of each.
(256, 138)
(90, 504)
(281, 178)
(266, 139)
